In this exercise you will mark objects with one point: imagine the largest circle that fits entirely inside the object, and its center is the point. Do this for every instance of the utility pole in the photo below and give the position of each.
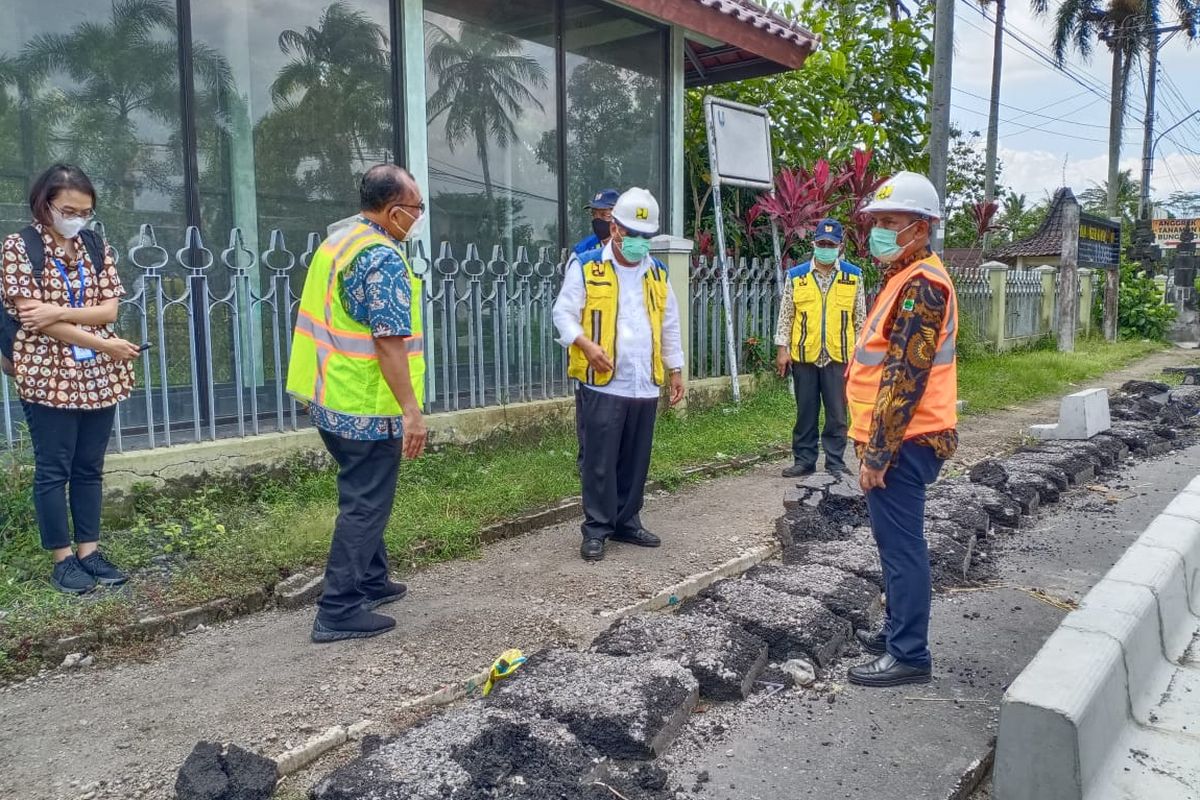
(939, 123)
(993, 129)
(1143, 238)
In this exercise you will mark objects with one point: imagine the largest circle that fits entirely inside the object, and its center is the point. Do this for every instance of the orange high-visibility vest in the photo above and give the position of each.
(937, 410)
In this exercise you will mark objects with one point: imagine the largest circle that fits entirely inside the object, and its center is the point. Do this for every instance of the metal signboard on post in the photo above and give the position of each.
(739, 154)
(1099, 242)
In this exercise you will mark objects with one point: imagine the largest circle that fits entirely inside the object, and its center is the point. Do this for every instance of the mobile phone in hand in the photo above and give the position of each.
(145, 346)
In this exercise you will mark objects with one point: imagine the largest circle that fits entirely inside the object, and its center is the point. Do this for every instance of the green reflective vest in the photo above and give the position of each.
(334, 363)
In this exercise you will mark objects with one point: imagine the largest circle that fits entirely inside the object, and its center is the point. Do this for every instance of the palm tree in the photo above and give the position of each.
(484, 84)
(120, 69)
(1127, 190)
(1126, 27)
(337, 88)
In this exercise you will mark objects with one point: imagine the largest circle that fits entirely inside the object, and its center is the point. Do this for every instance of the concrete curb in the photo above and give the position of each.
(1106, 669)
(302, 755)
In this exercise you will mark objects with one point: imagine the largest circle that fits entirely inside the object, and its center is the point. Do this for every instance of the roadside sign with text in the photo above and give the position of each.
(1168, 231)
(1099, 242)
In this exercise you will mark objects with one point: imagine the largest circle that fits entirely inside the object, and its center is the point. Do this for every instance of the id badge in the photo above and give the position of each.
(82, 353)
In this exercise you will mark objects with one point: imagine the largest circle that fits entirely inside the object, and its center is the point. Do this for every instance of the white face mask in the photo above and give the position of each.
(68, 227)
(415, 229)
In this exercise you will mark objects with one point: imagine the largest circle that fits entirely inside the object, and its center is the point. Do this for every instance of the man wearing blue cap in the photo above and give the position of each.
(821, 316)
(601, 207)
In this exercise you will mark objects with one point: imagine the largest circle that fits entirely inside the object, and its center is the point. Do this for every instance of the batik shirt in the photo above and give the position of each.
(912, 328)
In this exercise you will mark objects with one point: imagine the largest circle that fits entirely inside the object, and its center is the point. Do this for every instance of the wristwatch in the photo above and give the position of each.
(675, 371)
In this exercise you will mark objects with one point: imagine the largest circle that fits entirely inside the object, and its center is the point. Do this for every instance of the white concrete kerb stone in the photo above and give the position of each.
(1081, 415)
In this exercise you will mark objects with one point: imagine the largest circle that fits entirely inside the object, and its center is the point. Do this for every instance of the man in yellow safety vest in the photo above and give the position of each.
(618, 318)
(358, 362)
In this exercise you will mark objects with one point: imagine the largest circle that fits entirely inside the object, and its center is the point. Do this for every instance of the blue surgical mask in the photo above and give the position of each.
(826, 255)
(883, 243)
(635, 248)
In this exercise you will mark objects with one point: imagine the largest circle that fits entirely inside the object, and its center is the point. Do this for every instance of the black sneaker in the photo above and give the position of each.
(362, 625)
(103, 570)
(798, 471)
(70, 577)
(390, 593)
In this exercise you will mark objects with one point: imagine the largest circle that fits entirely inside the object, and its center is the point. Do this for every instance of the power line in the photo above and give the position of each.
(984, 114)
(1043, 116)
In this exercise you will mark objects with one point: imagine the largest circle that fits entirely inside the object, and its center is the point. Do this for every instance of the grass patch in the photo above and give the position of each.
(232, 536)
(989, 381)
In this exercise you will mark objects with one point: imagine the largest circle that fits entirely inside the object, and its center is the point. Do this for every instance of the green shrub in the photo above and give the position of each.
(1141, 311)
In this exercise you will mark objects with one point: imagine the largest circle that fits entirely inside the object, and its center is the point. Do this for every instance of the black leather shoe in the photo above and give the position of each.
(798, 471)
(592, 549)
(873, 643)
(641, 537)
(887, 671)
(838, 471)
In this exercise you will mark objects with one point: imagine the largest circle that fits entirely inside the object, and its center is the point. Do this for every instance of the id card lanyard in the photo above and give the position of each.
(76, 301)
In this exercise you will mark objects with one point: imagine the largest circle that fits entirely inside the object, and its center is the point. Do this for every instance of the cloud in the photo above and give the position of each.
(1036, 172)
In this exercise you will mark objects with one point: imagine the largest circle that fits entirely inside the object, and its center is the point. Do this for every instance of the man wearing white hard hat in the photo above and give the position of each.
(902, 390)
(618, 318)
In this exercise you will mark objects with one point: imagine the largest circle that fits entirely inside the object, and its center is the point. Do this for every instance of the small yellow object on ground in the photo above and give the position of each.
(502, 667)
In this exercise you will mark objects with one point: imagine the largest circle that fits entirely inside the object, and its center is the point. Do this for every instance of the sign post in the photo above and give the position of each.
(739, 154)
(1100, 248)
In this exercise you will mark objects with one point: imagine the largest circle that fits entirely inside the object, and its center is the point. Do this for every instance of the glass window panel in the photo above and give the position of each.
(293, 104)
(93, 84)
(616, 87)
(492, 111)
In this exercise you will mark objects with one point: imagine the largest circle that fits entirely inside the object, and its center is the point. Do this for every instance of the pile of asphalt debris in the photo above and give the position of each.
(589, 724)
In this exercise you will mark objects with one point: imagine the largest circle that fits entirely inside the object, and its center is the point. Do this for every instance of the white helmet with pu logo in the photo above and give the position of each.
(909, 193)
(637, 212)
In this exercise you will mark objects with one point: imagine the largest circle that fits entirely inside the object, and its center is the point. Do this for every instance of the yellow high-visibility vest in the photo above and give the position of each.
(334, 363)
(823, 319)
(599, 317)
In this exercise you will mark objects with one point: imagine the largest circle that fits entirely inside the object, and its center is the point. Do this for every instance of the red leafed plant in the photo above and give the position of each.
(859, 187)
(983, 215)
(801, 199)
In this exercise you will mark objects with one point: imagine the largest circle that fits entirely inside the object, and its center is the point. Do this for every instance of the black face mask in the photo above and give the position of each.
(602, 228)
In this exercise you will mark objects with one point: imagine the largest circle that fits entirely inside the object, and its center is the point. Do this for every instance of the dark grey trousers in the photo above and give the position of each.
(815, 387)
(615, 438)
(358, 563)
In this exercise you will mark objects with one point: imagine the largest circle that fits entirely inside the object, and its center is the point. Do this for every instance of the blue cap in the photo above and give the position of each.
(828, 230)
(605, 198)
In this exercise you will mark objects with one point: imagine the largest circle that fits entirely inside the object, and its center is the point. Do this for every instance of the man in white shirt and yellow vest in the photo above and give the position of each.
(619, 319)
(820, 316)
(358, 362)
(902, 388)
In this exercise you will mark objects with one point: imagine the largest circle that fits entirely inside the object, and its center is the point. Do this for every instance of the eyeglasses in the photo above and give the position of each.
(418, 206)
(71, 213)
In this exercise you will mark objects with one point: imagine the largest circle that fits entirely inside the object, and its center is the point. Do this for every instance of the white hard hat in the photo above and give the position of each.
(637, 212)
(909, 193)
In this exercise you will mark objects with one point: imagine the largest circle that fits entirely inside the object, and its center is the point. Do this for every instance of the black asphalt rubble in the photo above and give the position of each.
(793, 626)
(629, 708)
(567, 723)
(215, 773)
(724, 658)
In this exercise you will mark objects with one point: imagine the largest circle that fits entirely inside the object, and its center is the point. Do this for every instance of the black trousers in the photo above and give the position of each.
(358, 566)
(814, 387)
(68, 450)
(616, 435)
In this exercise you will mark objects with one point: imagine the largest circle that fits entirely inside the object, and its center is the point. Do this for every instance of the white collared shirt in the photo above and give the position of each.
(634, 375)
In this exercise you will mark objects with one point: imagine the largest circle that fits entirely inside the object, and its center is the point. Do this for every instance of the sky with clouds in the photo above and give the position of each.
(1068, 133)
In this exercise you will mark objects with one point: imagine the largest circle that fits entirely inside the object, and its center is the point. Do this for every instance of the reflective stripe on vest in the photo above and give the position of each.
(328, 339)
(829, 313)
(599, 319)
